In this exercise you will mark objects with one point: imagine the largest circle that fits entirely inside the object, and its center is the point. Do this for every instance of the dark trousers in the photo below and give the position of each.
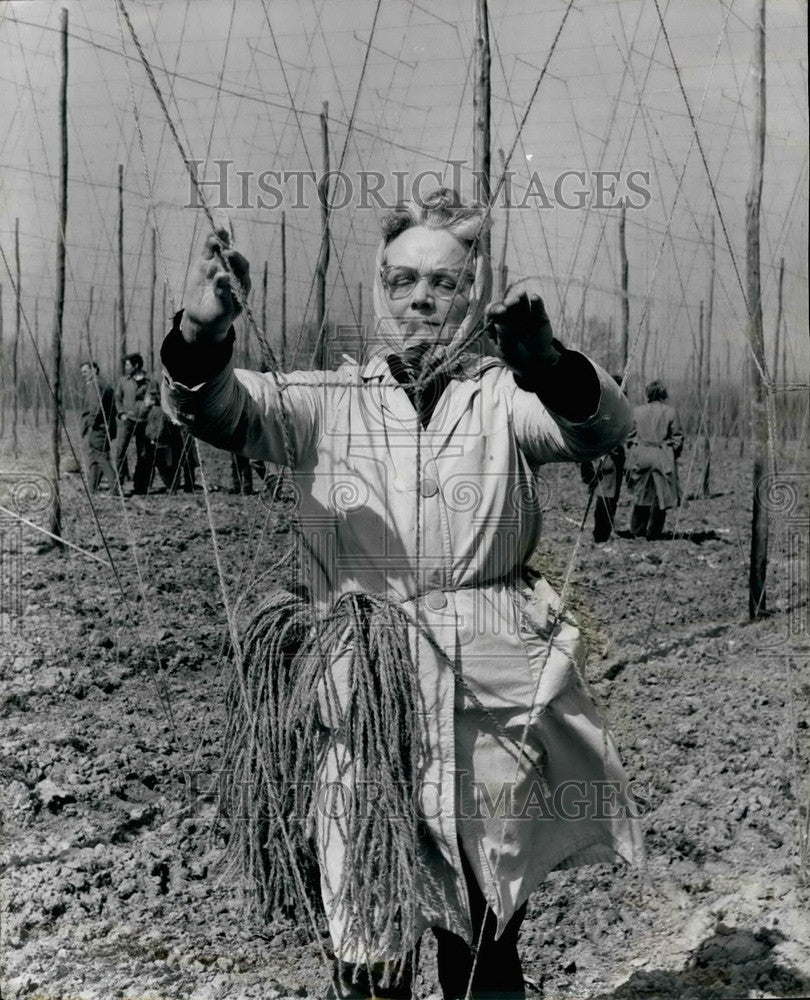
(185, 465)
(98, 465)
(604, 516)
(241, 475)
(159, 458)
(126, 430)
(184, 469)
(498, 973)
(647, 521)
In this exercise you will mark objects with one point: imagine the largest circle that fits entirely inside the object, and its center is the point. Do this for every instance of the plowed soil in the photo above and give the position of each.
(112, 719)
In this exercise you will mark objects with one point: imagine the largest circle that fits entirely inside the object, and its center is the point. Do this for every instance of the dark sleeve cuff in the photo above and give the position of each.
(570, 388)
(190, 364)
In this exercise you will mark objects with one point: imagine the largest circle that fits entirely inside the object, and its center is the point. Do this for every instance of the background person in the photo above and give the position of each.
(170, 448)
(653, 449)
(98, 426)
(241, 475)
(604, 479)
(130, 394)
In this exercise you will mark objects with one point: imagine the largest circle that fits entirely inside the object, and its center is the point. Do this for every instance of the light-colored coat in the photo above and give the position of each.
(652, 452)
(443, 523)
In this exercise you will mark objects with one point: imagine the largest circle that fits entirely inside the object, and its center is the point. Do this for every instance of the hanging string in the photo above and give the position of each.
(156, 671)
(239, 667)
(511, 151)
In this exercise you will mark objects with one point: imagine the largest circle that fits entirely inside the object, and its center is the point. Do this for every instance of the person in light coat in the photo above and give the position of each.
(417, 471)
(653, 450)
(604, 480)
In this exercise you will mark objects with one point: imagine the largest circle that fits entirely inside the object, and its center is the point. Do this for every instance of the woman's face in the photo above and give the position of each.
(426, 312)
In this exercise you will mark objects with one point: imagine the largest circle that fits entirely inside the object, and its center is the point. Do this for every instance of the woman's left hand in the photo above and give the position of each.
(522, 332)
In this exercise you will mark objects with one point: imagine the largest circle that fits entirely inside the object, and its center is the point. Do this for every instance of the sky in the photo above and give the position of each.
(244, 84)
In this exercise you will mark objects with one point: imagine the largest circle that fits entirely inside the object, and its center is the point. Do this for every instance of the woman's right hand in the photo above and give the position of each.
(213, 302)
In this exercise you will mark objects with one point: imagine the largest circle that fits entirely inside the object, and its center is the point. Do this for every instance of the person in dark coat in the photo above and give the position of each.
(98, 427)
(169, 447)
(130, 394)
(654, 447)
(604, 479)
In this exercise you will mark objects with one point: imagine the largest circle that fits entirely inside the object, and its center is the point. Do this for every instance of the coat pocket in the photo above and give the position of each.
(554, 645)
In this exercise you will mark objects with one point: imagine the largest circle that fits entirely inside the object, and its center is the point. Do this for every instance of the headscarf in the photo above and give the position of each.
(470, 343)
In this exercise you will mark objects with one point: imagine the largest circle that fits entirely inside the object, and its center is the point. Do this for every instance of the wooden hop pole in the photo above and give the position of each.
(38, 390)
(2, 372)
(152, 296)
(698, 373)
(707, 374)
(775, 373)
(115, 360)
(283, 352)
(727, 394)
(481, 114)
(758, 566)
(265, 366)
(625, 299)
(87, 329)
(112, 342)
(122, 320)
(16, 345)
(503, 268)
(644, 348)
(56, 370)
(323, 256)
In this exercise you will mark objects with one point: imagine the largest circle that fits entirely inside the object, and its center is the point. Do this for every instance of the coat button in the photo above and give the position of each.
(435, 600)
(428, 487)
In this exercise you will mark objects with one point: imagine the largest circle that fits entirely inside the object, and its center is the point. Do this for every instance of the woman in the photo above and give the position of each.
(604, 480)
(654, 447)
(434, 665)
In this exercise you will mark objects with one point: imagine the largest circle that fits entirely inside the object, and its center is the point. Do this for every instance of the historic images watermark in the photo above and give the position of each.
(21, 495)
(221, 185)
(527, 799)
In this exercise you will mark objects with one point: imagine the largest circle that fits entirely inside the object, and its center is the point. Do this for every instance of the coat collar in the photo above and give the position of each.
(376, 368)
(449, 410)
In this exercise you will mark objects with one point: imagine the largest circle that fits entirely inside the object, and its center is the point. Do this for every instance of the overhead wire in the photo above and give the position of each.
(346, 142)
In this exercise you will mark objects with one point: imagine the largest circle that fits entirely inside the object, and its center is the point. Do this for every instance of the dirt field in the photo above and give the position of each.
(112, 717)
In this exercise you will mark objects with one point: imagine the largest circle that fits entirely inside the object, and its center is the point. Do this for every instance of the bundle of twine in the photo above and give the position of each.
(277, 739)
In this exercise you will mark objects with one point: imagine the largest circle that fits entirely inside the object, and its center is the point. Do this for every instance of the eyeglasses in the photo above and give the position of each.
(401, 281)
